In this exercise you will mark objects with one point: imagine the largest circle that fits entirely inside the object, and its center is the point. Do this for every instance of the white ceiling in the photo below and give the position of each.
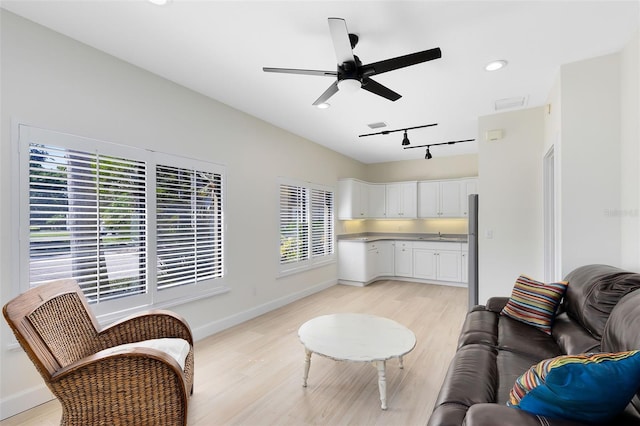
(218, 48)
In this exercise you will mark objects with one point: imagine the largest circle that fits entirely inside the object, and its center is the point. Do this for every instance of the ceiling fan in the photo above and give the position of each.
(351, 73)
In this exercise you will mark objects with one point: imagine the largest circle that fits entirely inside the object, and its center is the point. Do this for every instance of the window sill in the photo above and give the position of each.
(315, 265)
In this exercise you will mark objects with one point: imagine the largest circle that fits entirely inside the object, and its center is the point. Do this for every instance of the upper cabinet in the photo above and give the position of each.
(404, 200)
(377, 200)
(401, 200)
(468, 186)
(353, 199)
(446, 198)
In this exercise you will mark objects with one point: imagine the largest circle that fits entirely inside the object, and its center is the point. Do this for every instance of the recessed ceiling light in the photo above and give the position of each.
(159, 2)
(323, 105)
(496, 65)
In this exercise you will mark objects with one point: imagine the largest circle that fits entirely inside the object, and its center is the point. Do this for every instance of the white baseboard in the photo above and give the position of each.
(17, 403)
(235, 319)
(408, 279)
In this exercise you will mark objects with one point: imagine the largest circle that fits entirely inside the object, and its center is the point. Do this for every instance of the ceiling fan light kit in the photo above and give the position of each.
(351, 74)
(349, 85)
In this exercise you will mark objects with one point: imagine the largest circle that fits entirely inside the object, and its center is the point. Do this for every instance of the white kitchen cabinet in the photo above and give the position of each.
(449, 266)
(464, 276)
(450, 205)
(424, 263)
(437, 261)
(467, 187)
(403, 259)
(353, 199)
(401, 200)
(352, 261)
(429, 199)
(362, 262)
(386, 259)
(376, 199)
(444, 199)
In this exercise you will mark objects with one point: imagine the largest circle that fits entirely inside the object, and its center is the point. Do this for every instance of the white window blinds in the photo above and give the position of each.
(133, 227)
(87, 220)
(294, 224)
(306, 226)
(321, 223)
(189, 225)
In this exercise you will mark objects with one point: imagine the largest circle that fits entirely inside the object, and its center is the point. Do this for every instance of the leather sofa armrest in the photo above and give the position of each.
(495, 304)
(486, 414)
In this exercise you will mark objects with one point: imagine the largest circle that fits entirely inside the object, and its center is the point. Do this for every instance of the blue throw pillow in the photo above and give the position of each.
(587, 388)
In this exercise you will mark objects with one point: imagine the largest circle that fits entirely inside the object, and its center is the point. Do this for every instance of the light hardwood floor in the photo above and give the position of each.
(251, 374)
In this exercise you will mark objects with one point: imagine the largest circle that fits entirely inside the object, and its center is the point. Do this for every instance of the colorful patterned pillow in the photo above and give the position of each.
(584, 388)
(535, 303)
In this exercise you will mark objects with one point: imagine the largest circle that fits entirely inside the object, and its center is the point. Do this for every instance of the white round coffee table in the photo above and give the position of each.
(356, 337)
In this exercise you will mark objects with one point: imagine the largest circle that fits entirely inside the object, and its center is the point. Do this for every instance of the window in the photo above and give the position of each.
(133, 227)
(306, 226)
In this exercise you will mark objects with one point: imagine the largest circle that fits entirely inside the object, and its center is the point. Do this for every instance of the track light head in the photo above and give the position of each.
(405, 140)
(428, 155)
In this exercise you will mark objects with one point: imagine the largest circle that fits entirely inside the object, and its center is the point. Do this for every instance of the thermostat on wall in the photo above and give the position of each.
(493, 135)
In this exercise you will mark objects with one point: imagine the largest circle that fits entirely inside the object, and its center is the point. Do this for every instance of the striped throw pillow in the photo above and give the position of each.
(535, 303)
(589, 388)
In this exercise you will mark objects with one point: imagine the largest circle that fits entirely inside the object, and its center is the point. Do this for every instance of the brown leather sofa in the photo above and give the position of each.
(600, 313)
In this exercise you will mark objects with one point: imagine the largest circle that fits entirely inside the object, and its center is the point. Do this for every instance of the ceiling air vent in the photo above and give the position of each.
(510, 103)
(378, 125)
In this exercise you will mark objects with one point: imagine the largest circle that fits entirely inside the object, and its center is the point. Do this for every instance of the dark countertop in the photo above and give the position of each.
(379, 236)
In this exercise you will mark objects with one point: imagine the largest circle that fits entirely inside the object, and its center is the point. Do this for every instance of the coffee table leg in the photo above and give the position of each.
(382, 383)
(401, 363)
(307, 364)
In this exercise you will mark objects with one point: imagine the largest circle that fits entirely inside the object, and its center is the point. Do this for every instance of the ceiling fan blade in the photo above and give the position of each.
(332, 90)
(341, 43)
(401, 61)
(380, 90)
(304, 72)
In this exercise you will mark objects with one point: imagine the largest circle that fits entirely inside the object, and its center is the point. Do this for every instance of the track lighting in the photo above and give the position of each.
(428, 155)
(405, 140)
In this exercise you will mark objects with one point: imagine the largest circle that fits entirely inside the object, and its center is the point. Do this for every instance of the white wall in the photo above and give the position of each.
(590, 162)
(510, 219)
(451, 167)
(53, 82)
(630, 155)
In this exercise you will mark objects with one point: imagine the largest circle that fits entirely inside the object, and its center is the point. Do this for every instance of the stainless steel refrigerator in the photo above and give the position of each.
(473, 250)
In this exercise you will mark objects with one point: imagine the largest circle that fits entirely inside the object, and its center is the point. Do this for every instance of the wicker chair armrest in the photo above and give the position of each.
(155, 324)
(133, 386)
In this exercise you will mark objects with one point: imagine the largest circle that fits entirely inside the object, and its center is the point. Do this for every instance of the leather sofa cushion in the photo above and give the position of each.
(494, 414)
(504, 333)
(480, 326)
(471, 378)
(622, 333)
(593, 292)
(521, 338)
(572, 338)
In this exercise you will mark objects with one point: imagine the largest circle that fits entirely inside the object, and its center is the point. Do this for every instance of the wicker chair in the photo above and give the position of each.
(97, 385)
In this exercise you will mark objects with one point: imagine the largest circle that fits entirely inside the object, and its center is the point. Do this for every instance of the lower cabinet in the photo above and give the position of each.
(424, 264)
(403, 259)
(385, 259)
(465, 266)
(361, 262)
(437, 261)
